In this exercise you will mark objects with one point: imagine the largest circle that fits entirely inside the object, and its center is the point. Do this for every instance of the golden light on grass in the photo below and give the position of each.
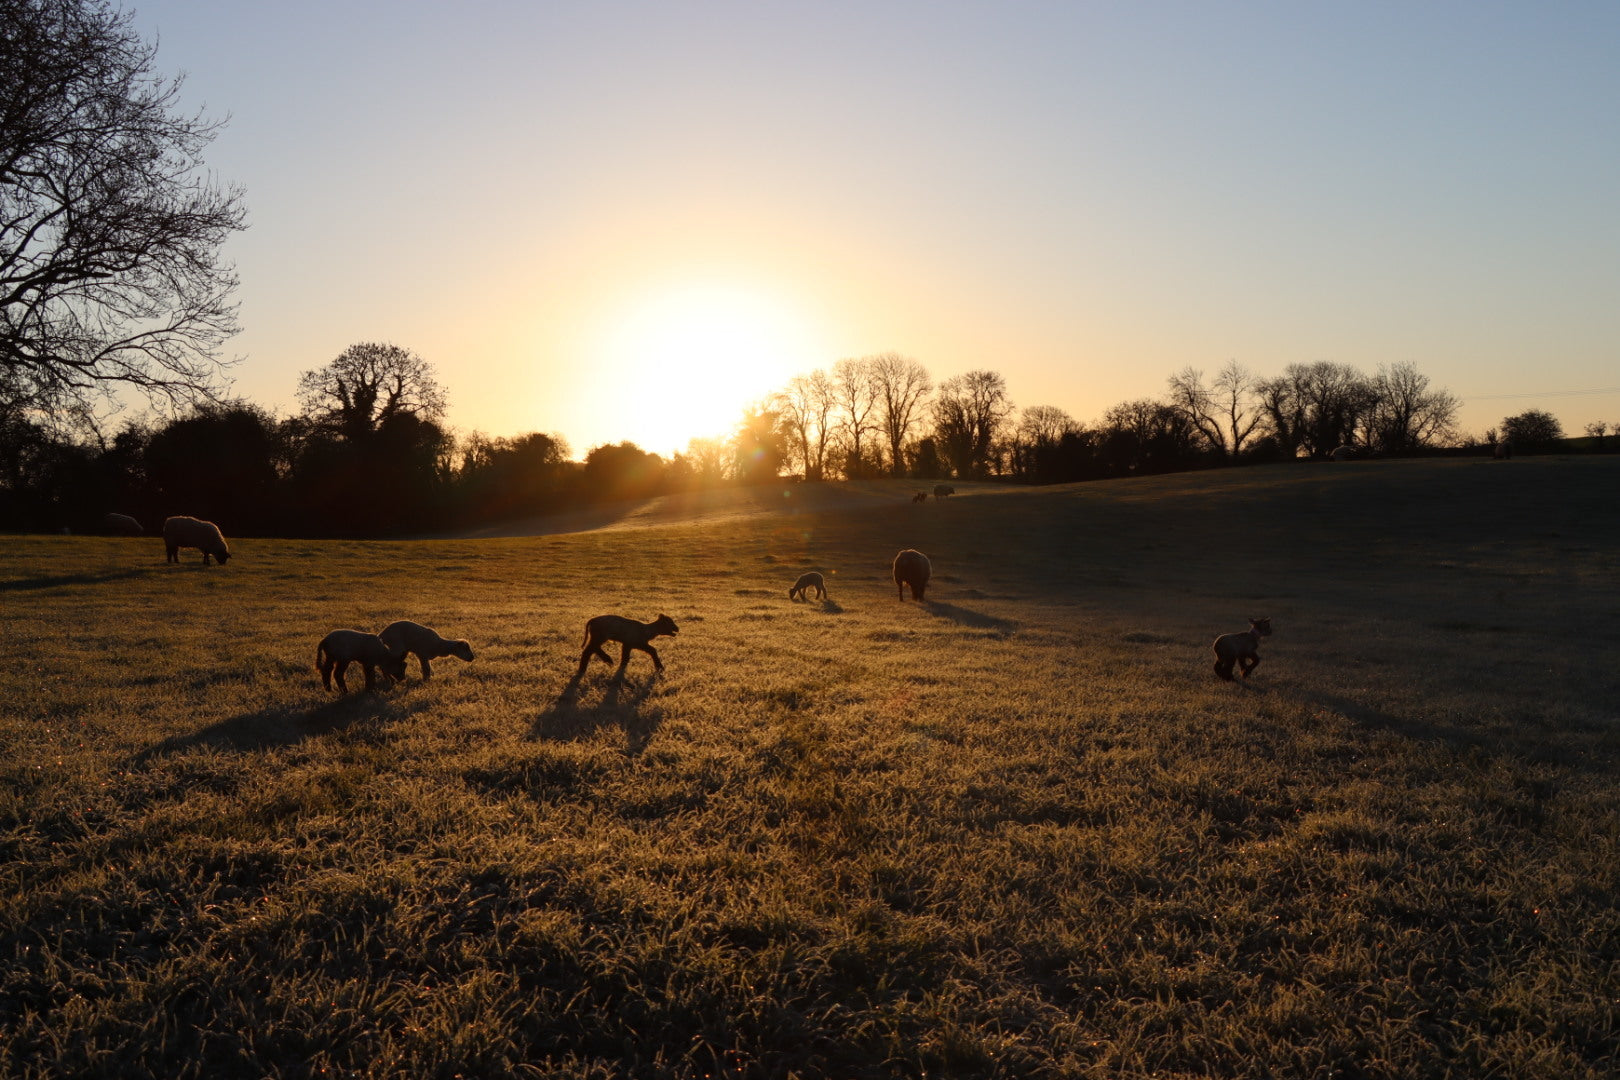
(684, 358)
(1018, 830)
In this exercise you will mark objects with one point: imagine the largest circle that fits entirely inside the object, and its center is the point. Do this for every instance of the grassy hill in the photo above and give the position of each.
(1020, 830)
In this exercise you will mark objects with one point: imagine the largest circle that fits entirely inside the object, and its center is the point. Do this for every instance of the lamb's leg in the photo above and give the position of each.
(371, 674)
(1249, 664)
(343, 685)
(658, 665)
(427, 668)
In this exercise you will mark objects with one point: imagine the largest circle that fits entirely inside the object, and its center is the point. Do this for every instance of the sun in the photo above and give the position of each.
(684, 360)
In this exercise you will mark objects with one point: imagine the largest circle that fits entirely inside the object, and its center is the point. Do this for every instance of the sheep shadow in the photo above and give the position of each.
(978, 620)
(830, 606)
(280, 725)
(566, 720)
(62, 580)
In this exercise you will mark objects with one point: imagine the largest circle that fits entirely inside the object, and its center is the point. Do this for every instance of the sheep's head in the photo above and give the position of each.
(664, 626)
(461, 649)
(394, 666)
(222, 556)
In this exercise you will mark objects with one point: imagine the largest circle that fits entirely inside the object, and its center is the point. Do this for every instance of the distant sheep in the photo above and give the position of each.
(341, 648)
(406, 637)
(921, 496)
(812, 580)
(184, 532)
(911, 568)
(1343, 453)
(121, 525)
(1242, 648)
(1503, 450)
(942, 490)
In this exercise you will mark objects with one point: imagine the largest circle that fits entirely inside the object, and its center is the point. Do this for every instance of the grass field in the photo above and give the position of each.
(1019, 831)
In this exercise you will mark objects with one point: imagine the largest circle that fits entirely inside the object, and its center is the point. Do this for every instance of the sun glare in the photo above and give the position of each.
(686, 360)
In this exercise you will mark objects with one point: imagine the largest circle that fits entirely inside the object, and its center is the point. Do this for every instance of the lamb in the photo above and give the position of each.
(806, 582)
(629, 633)
(121, 525)
(942, 490)
(921, 496)
(911, 568)
(406, 637)
(341, 648)
(179, 532)
(1241, 648)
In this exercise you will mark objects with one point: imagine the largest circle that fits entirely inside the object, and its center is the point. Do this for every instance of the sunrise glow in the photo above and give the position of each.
(685, 359)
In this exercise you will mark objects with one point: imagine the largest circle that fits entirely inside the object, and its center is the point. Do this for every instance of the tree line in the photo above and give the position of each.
(368, 452)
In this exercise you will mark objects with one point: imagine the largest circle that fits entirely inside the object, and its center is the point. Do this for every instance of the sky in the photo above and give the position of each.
(615, 220)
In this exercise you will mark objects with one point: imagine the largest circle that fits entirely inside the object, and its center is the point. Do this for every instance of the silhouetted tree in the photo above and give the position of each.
(708, 460)
(1314, 408)
(621, 471)
(1040, 429)
(110, 235)
(805, 410)
(219, 463)
(970, 411)
(499, 478)
(1147, 436)
(1404, 414)
(902, 388)
(1220, 412)
(856, 393)
(757, 446)
(367, 385)
(1533, 429)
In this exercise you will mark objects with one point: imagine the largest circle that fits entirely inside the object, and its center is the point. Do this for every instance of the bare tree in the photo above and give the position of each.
(805, 407)
(970, 411)
(1315, 407)
(903, 387)
(1040, 429)
(110, 269)
(368, 385)
(1221, 412)
(855, 392)
(1404, 414)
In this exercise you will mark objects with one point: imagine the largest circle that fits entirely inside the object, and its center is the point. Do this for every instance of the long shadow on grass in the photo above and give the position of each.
(567, 719)
(282, 725)
(60, 580)
(968, 617)
(1569, 748)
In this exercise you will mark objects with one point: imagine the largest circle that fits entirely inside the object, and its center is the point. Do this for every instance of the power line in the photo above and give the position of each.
(1545, 393)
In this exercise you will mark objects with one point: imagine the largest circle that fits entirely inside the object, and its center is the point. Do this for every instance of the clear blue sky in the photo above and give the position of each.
(625, 220)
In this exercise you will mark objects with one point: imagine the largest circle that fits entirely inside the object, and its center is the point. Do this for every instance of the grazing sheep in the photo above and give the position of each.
(911, 568)
(341, 648)
(1343, 453)
(406, 637)
(629, 633)
(942, 490)
(812, 580)
(179, 532)
(121, 525)
(1242, 648)
(921, 496)
(1503, 451)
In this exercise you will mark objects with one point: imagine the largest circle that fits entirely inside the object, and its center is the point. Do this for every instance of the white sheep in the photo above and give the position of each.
(341, 648)
(121, 525)
(179, 532)
(406, 637)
